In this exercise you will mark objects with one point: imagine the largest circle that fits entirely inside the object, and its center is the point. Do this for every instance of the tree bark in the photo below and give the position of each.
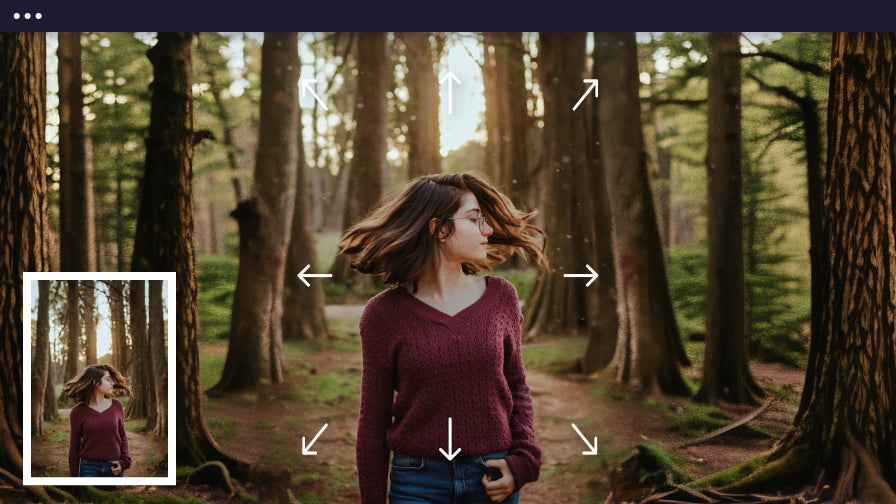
(157, 417)
(164, 239)
(72, 335)
(649, 347)
(726, 366)
(303, 306)
(88, 292)
(603, 324)
(422, 117)
(844, 429)
(141, 381)
(255, 351)
(368, 164)
(556, 304)
(40, 367)
(23, 215)
(75, 199)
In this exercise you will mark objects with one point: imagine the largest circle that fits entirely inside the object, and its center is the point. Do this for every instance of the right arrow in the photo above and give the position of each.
(448, 455)
(593, 275)
(592, 448)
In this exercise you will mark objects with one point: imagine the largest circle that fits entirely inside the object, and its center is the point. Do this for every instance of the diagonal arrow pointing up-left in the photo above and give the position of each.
(306, 84)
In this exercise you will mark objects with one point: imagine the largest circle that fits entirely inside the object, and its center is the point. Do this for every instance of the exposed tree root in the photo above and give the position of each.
(38, 492)
(215, 472)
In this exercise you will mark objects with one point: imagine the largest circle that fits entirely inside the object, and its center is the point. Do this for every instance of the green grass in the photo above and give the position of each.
(329, 388)
(217, 281)
(558, 358)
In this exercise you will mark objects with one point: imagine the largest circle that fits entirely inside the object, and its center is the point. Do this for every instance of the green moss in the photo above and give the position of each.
(560, 357)
(329, 388)
(729, 476)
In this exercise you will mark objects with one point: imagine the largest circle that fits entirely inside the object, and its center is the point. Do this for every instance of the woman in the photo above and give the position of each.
(98, 443)
(443, 386)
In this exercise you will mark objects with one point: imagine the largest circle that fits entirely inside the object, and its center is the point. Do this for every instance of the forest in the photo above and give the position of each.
(731, 192)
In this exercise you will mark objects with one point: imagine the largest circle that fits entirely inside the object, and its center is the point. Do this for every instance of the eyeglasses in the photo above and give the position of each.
(482, 221)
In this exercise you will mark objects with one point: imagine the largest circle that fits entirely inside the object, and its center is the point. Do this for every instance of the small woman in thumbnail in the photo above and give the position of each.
(98, 443)
(443, 387)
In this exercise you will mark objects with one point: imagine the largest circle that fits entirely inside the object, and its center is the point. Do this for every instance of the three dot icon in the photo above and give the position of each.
(27, 15)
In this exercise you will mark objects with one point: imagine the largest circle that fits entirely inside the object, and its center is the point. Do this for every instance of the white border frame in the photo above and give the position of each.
(170, 479)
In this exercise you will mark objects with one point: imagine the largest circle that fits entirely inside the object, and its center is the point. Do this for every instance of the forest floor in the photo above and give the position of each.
(322, 385)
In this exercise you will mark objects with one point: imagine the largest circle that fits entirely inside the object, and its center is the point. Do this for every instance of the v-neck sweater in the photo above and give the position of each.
(97, 435)
(422, 367)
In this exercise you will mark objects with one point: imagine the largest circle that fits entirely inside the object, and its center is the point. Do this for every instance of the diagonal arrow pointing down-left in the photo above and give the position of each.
(306, 448)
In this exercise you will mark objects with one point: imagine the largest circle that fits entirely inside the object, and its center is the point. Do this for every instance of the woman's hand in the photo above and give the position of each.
(116, 468)
(501, 488)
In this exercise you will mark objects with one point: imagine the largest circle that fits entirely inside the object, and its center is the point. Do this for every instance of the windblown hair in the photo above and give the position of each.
(83, 386)
(394, 240)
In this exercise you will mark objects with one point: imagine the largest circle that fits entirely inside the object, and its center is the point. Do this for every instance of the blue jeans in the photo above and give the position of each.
(93, 468)
(416, 480)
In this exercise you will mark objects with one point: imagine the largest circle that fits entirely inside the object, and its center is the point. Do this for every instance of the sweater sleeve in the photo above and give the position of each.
(371, 454)
(74, 443)
(125, 458)
(524, 459)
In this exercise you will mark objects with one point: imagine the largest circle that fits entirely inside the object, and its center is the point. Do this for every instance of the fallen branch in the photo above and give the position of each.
(753, 414)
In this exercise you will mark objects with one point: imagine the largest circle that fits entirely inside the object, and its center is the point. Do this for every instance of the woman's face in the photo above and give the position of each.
(470, 238)
(106, 385)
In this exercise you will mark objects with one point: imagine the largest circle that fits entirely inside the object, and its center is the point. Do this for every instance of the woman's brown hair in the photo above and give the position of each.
(82, 387)
(395, 242)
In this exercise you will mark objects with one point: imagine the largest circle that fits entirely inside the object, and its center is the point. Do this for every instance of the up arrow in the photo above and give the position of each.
(593, 86)
(452, 77)
(446, 453)
(593, 449)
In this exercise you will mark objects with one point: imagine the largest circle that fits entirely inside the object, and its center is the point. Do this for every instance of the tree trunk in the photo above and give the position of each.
(423, 105)
(40, 367)
(726, 366)
(120, 358)
(75, 208)
(303, 306)
(88, 292)
(255, 351)
(649, 347)
(157, 417)
(141, 381)
(23, 215)
(368, 163)
(844, 429)
(72, 335)
(556, 304)
(603, 324)
(164, 238)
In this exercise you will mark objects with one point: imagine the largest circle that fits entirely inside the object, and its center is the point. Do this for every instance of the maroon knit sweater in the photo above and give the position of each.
(97, 436)
(422, 366)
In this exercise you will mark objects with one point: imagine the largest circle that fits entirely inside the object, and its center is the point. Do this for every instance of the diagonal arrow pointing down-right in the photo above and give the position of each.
(593, 449)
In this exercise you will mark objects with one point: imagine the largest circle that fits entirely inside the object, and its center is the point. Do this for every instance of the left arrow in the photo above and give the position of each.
(306, 448)
(302, 275)
(306, 84)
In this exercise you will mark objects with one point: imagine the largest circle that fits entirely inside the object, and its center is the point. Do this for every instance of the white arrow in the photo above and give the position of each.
(306, 84)
(593, 275)
(302, 275)
(446, 453)
(593, 448)
(306, 449)
(454, 78)
(593, 85)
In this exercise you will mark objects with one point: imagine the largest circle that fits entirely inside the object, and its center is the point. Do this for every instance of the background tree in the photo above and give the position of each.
(255, 352)
(41, 366)
(88, 294)
(844, 428)
(367, 174)
(422, 114)
(649, 347)
(164, 239)
(303, 313)
(157, 416)
(72, 334)
(141, 379)
(726, 371)
(23, 218)
(556, 304)
(603, 324)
